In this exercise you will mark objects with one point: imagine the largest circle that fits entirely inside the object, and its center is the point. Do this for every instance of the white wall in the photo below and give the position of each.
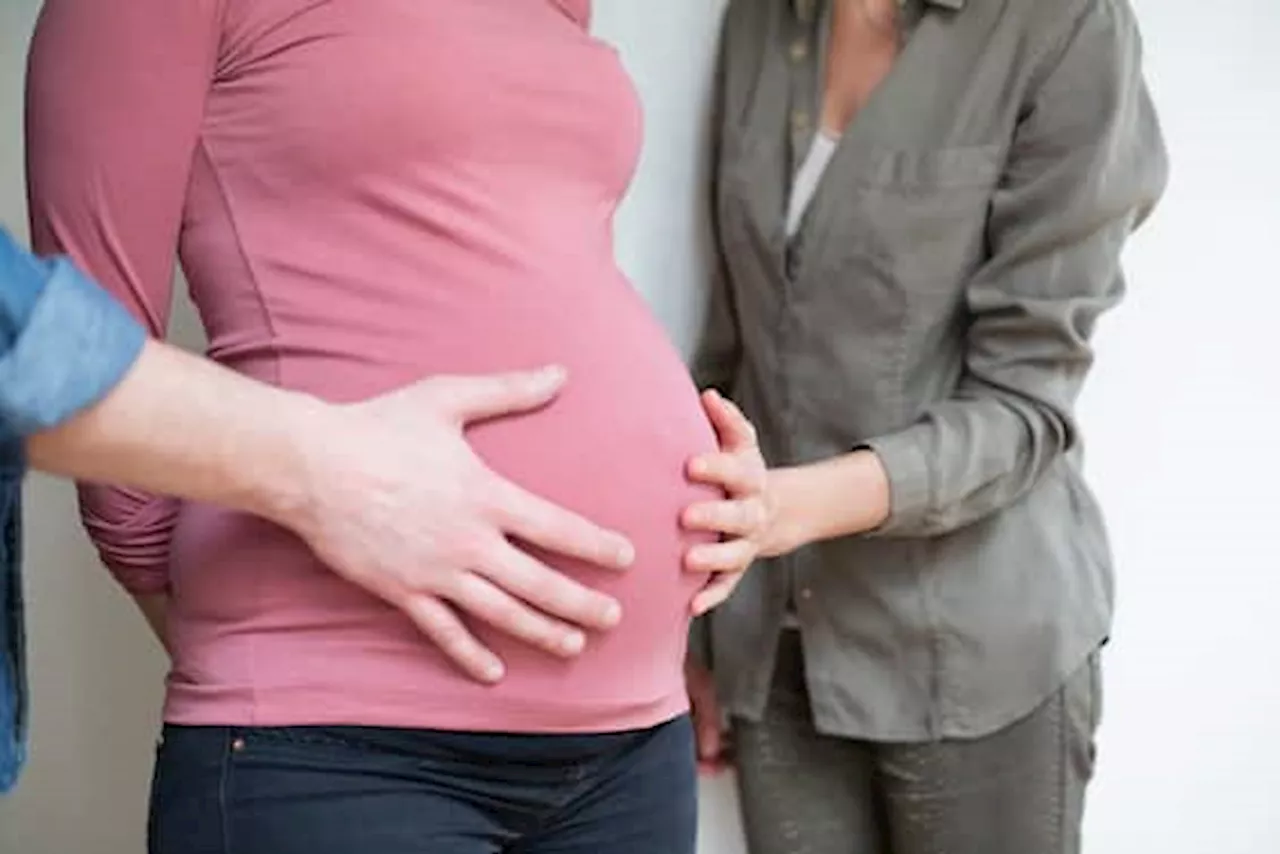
(1181, 417)
(1184, 453)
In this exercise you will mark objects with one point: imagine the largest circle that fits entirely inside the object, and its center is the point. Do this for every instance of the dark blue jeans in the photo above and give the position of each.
(13, 676)
(368, 790)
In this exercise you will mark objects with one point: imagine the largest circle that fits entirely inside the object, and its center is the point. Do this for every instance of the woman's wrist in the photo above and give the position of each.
(838, 497)
(869, 493)
(792, 524)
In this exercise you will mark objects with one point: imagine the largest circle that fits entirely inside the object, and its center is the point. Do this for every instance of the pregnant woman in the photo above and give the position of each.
(362, 194)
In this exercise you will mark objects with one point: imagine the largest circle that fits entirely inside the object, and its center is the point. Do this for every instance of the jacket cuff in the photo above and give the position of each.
(910, 489)
(76, 346)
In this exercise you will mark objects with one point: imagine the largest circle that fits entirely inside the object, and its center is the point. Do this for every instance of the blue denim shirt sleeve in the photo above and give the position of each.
(71, 345)
(64, 343)
(21, 280)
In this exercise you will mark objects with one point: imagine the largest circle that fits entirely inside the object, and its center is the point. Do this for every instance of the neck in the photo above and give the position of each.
(864, 44)
(867, 17)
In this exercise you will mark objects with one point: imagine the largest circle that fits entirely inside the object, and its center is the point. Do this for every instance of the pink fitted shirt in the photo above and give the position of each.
(364, 192)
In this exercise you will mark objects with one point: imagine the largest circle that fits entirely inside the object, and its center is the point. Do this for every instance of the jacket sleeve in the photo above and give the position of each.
(64, 344)
(1087, 164)
(22, 278)
(115, 99)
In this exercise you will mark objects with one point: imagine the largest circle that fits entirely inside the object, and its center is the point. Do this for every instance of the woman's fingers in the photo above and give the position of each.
(738, 469)
(715, 593)
(738, 518)
(735, 432)
(735, 473)
(732, 556)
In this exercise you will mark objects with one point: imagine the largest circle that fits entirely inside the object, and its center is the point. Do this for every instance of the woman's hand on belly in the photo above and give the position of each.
(746, 516)
(773, 512)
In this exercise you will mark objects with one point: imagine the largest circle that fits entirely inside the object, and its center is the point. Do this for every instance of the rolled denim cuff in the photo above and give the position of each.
(77, 344)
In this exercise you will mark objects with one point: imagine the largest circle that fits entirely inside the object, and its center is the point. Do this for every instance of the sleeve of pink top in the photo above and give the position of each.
(115, 98)
(578, 10)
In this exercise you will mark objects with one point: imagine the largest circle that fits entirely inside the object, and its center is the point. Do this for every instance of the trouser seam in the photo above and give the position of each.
(1060, 794)
(223, 782)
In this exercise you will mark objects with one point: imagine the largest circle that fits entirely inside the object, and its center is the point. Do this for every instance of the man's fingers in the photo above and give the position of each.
(550, 527)
(733, 429)
(548, 590)
(734, 473)
(740, 518)
(437, 621)
(478, 398)
(485, 601)
(728, 556)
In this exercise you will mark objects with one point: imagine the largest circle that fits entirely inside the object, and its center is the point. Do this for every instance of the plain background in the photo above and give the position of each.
(1181, 417)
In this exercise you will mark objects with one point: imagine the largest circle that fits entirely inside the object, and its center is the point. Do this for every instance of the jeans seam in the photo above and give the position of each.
(223, 813)
(290, 735)
(585, 776)
(309, 737)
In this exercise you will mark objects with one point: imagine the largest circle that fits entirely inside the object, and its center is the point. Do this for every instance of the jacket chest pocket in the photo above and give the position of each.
(917, 219)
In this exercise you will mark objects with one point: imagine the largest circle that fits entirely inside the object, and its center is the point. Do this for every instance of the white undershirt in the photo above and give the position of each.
(806, 182)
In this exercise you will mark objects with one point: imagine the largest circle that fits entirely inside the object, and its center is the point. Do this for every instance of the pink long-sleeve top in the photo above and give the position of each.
(361, 193)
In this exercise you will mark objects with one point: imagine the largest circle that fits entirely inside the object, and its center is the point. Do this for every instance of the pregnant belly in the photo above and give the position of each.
(614, 448)
(253, 608)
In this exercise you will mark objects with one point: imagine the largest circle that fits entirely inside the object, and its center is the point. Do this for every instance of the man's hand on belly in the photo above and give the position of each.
(398, 503)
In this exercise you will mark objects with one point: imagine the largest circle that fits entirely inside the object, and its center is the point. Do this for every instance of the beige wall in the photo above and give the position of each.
(97, 676)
